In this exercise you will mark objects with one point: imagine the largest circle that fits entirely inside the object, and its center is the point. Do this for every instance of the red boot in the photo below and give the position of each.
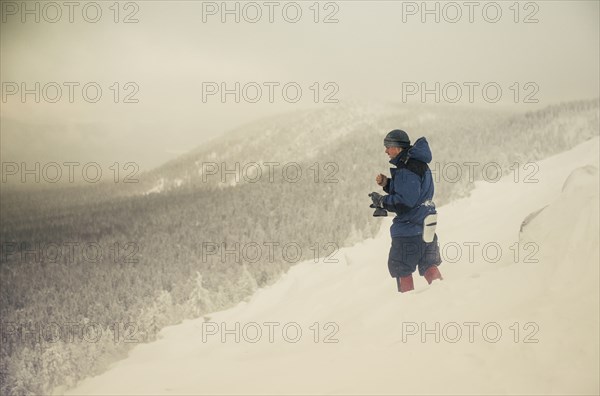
(432, 274)
(405, 283)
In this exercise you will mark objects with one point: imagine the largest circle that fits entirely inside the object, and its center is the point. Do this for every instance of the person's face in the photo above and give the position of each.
(392, 152)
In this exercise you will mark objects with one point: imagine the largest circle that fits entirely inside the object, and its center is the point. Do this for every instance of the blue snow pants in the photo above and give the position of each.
(408, 253)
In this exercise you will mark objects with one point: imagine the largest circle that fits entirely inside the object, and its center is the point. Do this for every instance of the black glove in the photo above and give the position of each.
(377, 200)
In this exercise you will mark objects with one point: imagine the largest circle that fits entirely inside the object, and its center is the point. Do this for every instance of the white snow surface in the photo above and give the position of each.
(382, 346)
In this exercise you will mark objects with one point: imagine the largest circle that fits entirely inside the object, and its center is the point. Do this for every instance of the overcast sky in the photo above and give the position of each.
(375, 51)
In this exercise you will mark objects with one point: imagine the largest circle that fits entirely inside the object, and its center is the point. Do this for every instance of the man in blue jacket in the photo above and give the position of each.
(410, 193)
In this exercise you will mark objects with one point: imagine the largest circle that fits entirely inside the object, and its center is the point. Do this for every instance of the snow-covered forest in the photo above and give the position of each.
(164, 227)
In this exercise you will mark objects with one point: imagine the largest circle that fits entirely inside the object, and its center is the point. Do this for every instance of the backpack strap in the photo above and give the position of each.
(415, 166)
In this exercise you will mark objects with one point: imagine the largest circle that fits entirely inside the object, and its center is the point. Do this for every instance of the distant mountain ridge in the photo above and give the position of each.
(332, 134)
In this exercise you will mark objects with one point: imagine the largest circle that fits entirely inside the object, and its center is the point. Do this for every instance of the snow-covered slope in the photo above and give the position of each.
(505, 324)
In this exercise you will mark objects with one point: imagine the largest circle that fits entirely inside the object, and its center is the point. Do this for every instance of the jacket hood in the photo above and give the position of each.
(419, 151)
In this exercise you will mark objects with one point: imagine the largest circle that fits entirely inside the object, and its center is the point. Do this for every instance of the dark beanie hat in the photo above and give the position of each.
(397, 138)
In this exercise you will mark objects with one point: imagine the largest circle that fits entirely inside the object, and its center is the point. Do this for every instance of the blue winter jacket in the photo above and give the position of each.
(410, 190)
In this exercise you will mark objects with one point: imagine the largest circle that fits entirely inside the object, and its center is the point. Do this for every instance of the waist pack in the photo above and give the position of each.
(429, 224)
